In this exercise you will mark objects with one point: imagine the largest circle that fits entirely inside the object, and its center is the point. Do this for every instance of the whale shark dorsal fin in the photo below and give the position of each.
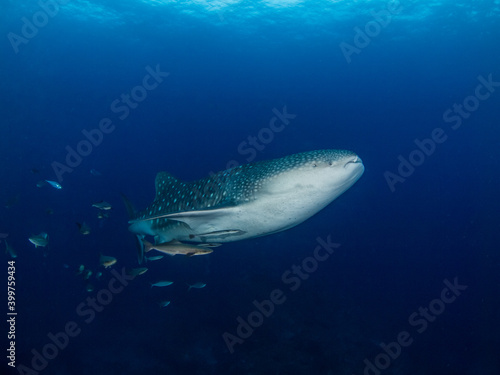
(166, 185)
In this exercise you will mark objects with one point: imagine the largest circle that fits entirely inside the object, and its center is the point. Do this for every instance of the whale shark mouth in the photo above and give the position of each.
(356, 160)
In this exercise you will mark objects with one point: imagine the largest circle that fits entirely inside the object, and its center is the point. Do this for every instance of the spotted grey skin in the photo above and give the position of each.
(250, 200)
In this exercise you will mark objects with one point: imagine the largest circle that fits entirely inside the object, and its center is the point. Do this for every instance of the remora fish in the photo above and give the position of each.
(247, 201)
(175, 247)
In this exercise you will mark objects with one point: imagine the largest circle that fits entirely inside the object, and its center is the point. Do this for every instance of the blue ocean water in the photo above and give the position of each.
(129, 89)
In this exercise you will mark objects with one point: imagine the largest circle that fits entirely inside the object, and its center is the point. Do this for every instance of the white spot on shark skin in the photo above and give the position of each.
(250, 200)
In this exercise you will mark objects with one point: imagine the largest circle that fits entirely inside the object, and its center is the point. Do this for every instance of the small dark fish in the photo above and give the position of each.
(9, 250)
(41, 239)
(102, 205)
(162, 283)
(87, 274)
(137, 271)
(164, 303)
(12, 201)
(102, 215)
(198, 285)
(107, 261)
(54, 184)
(83, 228)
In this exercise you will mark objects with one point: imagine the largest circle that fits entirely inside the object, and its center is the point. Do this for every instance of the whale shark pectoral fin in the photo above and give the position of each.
(189, 216)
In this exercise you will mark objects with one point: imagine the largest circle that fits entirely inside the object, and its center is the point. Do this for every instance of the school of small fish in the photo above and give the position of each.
(91, 275)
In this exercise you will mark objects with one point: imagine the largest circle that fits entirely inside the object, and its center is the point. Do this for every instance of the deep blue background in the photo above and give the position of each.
(230, 65)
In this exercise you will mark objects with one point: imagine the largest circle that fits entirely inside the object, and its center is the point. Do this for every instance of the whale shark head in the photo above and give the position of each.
(309, 181)
(324, 172)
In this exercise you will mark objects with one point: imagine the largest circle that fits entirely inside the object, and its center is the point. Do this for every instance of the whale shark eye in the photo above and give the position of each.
(314, 165)
(330, 162)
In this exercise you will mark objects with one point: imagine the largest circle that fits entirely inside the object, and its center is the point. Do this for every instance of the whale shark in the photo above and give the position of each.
(247, 201)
